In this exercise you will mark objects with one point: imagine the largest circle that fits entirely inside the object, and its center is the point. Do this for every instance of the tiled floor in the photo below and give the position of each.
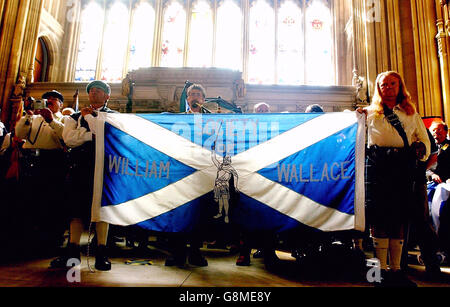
(221, 272)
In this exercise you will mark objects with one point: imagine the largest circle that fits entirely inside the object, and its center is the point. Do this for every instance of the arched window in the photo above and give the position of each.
(261, 57)
(201, 35)
(318, 43)
(173, 34)
(115, 42)
(290, 43)
(141, 36)
(90, 37)
(228, 51)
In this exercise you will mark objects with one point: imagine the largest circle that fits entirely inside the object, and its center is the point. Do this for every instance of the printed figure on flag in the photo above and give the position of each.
(222, 183)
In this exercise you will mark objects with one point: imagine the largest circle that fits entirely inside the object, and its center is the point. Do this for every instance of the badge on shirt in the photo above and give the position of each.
(444, 147)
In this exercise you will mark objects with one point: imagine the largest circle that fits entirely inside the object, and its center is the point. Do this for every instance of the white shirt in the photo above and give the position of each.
(1, 128)
(75, 135)
(382, 133)
(37, 133)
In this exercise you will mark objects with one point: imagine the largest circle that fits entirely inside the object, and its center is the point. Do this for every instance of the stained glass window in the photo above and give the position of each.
(115, 42)
(290, 42)
(141, 37)
(281, 42)
(90, 37)
(261, 57)
(173, 35)
(319, 43)
(201, 35)
(229, 36)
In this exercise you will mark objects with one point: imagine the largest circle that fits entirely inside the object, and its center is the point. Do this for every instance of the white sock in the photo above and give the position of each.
(381, 246)
(76, 229)
(102, 232)
(395, 253)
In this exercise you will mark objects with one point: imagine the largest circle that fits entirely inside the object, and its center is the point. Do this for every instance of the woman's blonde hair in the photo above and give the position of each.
(403, 97)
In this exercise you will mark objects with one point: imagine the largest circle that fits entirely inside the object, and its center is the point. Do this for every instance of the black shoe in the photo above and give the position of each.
(72, 251)
(384, 280)
(196, 258)
(102, 262)
(258, 254)
(434, 273)
(399, 279)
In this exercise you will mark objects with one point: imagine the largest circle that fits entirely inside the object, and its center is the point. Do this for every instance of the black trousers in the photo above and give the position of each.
(419, 229)
(42, 176)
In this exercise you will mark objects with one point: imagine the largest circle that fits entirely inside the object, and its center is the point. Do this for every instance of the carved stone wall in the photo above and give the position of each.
(18, 36)
(159, 89)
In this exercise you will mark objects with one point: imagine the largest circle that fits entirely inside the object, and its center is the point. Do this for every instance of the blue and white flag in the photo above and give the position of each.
(160, 171)
(438, 195)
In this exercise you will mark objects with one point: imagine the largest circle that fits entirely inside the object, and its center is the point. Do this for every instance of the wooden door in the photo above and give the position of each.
(40, 62)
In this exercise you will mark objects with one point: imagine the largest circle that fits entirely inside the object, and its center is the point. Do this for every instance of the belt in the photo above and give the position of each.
(377, 148)
(390, 154)
(36, 152)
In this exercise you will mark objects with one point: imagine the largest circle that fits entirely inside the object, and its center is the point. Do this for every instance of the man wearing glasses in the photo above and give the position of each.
(196, 95)
(177, 242)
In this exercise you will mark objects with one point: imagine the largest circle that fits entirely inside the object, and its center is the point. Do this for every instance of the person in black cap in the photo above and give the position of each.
(55, 95)
(42, 165)
(79, 134)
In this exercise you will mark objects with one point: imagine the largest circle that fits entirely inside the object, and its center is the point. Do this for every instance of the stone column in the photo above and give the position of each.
(360, 77)
(11, 40)
(376, 43)
(70, 43)
(17, 46)
(427, 64)
(443, 42)
(26, 65)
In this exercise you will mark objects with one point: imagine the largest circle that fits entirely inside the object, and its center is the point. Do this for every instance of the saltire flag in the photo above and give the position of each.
(157, 171)
(438, 195)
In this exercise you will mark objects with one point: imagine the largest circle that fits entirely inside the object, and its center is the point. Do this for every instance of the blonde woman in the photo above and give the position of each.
(389, 170)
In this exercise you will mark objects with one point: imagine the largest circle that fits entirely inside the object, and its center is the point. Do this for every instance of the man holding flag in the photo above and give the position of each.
(79, 134)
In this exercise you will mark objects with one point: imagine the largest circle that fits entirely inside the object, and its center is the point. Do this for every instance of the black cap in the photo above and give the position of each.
(53, 93)
(99, 84)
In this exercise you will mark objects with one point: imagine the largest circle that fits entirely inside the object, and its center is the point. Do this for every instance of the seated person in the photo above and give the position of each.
(440, 172)
(438, 188)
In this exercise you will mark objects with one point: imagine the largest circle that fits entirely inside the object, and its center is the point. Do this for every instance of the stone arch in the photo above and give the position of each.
(40, 61)
(52, 55)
